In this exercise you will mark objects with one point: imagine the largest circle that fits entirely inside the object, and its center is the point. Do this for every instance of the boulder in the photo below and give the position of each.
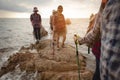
(43, 32)
(40, 60)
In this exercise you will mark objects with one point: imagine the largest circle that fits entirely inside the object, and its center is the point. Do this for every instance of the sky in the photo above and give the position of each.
(71, 8)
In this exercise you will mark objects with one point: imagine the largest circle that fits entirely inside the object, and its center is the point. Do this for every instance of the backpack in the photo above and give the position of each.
(35, 19)
(59, 21)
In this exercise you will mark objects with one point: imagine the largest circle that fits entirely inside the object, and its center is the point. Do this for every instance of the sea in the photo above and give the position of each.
(17, 32)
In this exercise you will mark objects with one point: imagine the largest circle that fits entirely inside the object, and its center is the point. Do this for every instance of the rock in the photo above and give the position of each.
(43, 32)
(60, 66)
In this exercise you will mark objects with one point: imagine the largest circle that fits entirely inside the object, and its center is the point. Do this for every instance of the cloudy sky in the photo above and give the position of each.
(72, 8)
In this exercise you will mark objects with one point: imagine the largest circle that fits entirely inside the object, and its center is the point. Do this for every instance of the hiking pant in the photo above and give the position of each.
(37, 33)
(51, 26)
(96, 75)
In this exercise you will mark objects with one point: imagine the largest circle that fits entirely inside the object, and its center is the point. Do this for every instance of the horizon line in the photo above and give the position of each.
(44, 18)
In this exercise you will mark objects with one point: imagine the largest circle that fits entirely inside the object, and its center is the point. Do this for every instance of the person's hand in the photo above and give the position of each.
(54, 28)
(80, 41)
(75, 39)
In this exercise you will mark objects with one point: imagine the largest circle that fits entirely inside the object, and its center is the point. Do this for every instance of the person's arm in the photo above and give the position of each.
(93, 34)
(31, 18)
(91, 24)
(64, 20)
(53, 22)
(50, 19)
(40, 18)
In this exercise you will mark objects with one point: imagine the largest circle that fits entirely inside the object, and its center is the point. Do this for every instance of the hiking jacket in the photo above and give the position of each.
(36, 20)
(96, 45)
(94, 34)
(59, 22)
(110, 41)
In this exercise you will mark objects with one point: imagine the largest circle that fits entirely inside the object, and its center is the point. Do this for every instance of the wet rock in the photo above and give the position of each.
(60, 66)
(43, 32)
(3, 50)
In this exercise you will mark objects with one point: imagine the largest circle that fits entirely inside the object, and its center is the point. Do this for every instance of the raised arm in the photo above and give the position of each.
(93, 34)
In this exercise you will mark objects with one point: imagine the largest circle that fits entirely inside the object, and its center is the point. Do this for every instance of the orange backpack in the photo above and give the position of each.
(59, 21)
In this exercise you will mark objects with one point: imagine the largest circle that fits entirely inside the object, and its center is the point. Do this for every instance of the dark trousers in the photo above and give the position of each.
(51, 26)
(37, 33)
(96, 75)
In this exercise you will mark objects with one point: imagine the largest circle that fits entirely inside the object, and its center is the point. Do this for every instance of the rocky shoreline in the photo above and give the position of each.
(39, 59)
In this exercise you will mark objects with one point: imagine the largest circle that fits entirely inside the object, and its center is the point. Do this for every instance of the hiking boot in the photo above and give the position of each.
(58, 48)
(63, 46)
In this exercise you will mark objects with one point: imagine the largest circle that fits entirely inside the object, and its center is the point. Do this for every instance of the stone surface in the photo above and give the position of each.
(39, 59)
(43, 32)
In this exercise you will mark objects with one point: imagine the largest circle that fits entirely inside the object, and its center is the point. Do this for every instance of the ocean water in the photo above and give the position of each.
(15, 33)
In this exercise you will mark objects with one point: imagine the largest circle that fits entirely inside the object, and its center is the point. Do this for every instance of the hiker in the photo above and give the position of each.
(35, 19)
(110, 47)
(93, 39)
(59, 26)
(95, 47)
(51, 19)
(52, 24)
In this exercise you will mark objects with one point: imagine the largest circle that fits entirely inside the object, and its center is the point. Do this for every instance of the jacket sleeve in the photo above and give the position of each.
(40, 18)
(64, 19)
(93, 34)
(31, 18)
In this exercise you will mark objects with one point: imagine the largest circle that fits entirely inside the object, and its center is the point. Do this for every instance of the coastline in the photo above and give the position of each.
(64, 62)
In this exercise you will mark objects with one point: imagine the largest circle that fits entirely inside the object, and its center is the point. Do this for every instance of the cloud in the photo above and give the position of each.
(46, 6)
(21, 5)
(11, 6)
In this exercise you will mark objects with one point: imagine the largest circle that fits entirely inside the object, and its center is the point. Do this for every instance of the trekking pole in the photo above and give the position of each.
(77, 57)
(88, 50)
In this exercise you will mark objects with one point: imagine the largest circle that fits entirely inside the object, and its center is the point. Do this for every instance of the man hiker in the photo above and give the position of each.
(59, 26)
(35, 19)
